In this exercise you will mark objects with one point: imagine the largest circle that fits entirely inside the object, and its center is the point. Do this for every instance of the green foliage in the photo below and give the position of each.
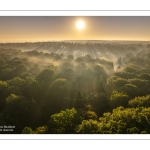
(144, 132)
(6, 74)
(90, 115)
(132, 68)
(99, 101)
(32, 89)
(125, 75)
(58, 83)
(78, 95)
(41, 130)
(99, 71)
(3, 93)
(89, 127)
(139, 82)
(119, 61)
(20, 69)
(78, 100)
(35, 85)
(119, 82)
(20, 111)
(59, 88)
(16, 86)
(140, 101)
(46, 76)
(64, 122)
(130, 90)
(142, 85)
(144, 76)
(28, 130)
(2, 122)
(116, 82)
(118, 99)
(67, 73)
(133, 130)
(126, 121)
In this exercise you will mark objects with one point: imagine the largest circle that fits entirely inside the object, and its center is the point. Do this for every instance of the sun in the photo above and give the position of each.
(80, 24)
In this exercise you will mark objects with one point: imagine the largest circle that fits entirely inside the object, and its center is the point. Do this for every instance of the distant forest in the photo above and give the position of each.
(71, 87)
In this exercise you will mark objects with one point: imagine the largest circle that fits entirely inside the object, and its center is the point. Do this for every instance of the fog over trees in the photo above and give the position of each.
(75, 87)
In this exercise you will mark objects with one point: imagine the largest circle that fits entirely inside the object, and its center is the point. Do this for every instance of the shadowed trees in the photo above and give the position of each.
(78, 100)
(71, 92)
(3, 93)
(46, 76)
(118, 99)
(99, 101)
(20, 112)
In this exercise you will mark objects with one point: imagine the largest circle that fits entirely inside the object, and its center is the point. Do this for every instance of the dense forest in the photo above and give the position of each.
(75, 87)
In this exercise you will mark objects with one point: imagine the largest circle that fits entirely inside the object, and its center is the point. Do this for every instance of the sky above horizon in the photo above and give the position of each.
(51, 28)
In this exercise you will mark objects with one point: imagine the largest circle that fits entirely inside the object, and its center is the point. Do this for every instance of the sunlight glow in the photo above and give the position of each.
(80, 24)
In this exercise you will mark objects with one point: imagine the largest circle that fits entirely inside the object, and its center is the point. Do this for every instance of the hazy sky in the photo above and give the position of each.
(46, 28)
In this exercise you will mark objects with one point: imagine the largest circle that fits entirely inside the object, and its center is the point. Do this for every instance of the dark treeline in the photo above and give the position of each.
(55, 94)
(96, 49)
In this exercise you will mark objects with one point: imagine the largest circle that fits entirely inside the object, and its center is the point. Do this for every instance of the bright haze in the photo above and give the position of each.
(56, 28)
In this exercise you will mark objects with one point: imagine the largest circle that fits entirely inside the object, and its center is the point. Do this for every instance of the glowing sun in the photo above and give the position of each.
(80, 24)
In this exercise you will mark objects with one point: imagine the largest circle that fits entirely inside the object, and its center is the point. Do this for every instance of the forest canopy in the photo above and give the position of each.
(51, 92)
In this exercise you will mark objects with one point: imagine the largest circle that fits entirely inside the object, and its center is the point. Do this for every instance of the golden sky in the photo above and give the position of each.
(47, 28)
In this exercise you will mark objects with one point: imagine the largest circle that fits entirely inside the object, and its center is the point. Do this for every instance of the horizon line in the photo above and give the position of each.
(74, 40)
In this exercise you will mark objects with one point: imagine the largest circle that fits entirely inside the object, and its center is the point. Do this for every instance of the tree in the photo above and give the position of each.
(28, 130)
(64, 122)
(99, 71)
(20, 112)
(131, 90)
(89, 115)
(144, 76)
(99, 101)
(70, 57)
(3, 93)
(7, 74)
(140, 101)
(100, 84)
(88, 75)
(126, 121)
(118, 99)
(46, 76)
(41, 130)
(33, 53)
(89, 127)
(32, 89)
(59, 87)
(67, 73)
(16, 86)
(57, 57)
(126, 75)
(19, 70)
(78, 100)
(119, 82)
(119, 61)
(142, 85)
(54, 98)
(80, 81)
(130, 69)
(45, 79)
